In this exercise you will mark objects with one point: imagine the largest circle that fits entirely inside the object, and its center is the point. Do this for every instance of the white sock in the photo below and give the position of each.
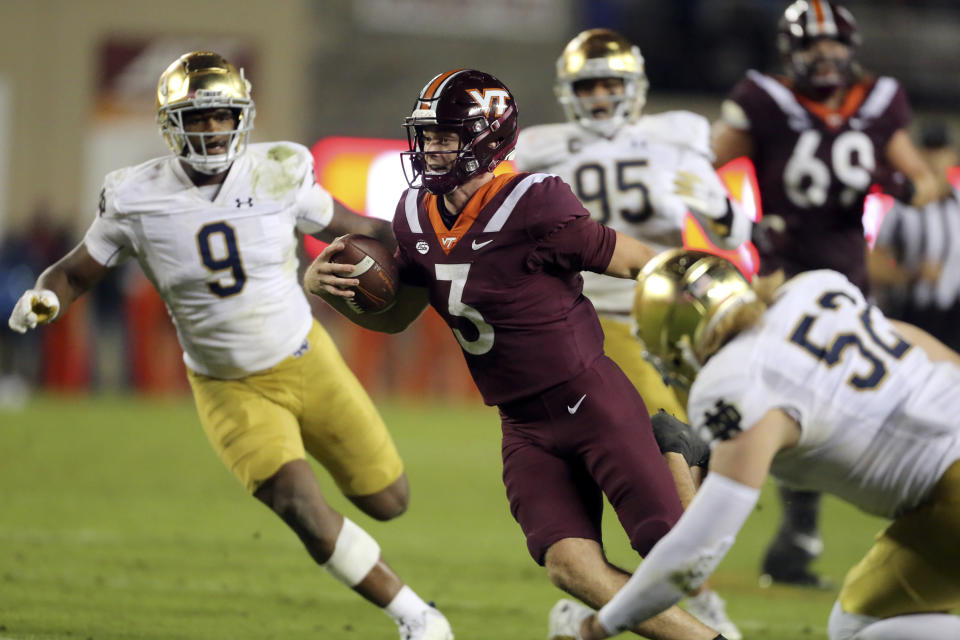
(929, 626)
(405, 605)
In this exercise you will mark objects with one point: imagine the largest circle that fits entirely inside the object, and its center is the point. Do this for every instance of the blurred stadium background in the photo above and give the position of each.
(77, 84)
(77, 81)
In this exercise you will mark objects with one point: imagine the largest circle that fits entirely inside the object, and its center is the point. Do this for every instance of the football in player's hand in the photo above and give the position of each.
(375, 269)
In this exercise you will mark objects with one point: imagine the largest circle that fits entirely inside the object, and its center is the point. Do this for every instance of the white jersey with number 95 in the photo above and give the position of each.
(626, 181)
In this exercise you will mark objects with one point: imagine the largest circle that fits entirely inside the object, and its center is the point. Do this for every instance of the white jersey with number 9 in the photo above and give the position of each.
(226, 268)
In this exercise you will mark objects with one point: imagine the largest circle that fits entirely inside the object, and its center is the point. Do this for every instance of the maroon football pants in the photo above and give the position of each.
(568, 446)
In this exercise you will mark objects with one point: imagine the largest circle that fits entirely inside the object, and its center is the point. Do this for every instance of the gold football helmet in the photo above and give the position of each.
(601, 53)
(204, 80)
(680, 298)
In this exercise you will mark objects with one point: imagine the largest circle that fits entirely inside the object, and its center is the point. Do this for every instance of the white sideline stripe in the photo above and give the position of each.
(361, 267)
(883, 92)
(781, 95)
(506, 208)
(410, 204)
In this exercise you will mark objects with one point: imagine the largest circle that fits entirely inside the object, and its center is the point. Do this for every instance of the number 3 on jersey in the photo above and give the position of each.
(457, 275)
(220, 238)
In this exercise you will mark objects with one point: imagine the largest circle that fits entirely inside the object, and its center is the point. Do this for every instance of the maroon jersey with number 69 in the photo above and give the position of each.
(506, 279)
(814, 167)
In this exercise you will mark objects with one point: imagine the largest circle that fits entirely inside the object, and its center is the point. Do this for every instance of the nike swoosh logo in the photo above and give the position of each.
(480, 245)
(574, 408)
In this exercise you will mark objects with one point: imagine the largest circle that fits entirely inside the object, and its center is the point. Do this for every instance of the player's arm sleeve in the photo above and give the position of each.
(741, 121)
(567, 239)
(407, 268)
(106, 239)
(898, 113)
(685, 557)
(744, 107)
(314, 203)
(538, 148)
(523, 159)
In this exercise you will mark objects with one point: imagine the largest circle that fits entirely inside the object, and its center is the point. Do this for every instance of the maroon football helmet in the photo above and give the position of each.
(479, 109)
(805, 22)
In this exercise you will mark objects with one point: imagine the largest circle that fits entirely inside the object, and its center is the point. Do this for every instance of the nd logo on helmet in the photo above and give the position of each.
(484, 99)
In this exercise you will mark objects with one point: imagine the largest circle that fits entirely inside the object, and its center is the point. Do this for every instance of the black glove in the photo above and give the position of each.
(675, 436)
(899, 186)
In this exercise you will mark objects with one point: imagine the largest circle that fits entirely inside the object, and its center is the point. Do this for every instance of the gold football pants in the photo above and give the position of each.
(620, 345)
(310, 401)
(914, 565)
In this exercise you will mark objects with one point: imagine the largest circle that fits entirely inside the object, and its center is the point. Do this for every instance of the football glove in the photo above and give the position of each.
(703, 198)
(35, 306)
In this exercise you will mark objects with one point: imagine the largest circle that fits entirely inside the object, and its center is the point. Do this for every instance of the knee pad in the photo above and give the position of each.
(354, 555)
(845, 626)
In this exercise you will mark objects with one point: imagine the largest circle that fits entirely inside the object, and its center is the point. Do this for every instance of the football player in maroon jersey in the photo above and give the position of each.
(819, 137)
(499, 258)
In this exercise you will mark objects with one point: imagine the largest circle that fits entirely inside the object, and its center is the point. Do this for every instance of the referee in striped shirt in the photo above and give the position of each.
(915, 265)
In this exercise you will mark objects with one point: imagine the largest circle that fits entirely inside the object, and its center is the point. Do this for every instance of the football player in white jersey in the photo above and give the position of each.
(807, 381)
(214, 227)
(639, 175)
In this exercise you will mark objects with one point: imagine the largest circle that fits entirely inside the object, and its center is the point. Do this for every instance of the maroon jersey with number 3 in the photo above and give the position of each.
(506, 279)
(814, 167)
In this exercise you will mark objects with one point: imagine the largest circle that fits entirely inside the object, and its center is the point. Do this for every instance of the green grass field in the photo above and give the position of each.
(117, 521)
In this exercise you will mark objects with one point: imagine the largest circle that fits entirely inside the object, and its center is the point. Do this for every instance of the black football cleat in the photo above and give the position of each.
(788, 562)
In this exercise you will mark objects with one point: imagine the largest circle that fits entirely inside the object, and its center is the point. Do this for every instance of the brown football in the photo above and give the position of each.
(375, 269)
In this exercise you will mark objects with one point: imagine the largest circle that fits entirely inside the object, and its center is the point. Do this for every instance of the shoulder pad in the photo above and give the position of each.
(280, 167)
(130, 183)
(733, 114)
(681, 128)
(542, 146)
(288, 153)
(820, 278)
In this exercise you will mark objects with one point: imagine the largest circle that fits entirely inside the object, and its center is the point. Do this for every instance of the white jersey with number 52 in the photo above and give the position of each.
(227, 268)
(879, 420)
(626, 182)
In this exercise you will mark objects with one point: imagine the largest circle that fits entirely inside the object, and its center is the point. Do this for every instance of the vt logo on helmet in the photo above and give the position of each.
(484, 98)
(194, 87)
(463, 123)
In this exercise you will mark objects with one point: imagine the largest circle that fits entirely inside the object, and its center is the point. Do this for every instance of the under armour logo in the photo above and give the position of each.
(487, 96)
(248, 202)
(302, 349)
(725, 422)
